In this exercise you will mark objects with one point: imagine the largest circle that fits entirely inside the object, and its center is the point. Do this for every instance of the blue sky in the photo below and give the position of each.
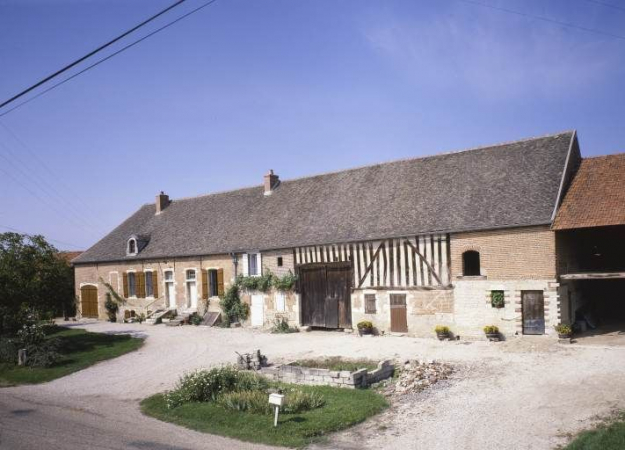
(301, 87)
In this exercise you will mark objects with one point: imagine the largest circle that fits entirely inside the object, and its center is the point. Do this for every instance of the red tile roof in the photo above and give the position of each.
(596, 197)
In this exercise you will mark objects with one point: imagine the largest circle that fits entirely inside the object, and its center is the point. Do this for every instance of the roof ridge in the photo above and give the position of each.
(394, 161)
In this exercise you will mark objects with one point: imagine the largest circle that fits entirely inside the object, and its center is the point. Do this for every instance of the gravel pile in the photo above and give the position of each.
(415, 376)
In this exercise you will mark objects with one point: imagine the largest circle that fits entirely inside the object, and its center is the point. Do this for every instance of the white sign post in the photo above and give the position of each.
(276, 400)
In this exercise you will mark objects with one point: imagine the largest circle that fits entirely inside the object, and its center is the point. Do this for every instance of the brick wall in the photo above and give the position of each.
(508, 254)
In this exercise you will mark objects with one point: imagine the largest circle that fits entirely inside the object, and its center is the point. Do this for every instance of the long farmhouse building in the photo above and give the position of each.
(407, 245)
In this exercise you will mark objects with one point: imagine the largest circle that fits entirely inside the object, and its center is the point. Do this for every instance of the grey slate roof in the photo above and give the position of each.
(512, 184)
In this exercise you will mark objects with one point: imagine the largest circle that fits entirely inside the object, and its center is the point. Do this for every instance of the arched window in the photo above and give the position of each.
(132, 246)
(471, 263)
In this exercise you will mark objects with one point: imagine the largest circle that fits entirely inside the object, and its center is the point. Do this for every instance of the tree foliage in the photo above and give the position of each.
(33, 277)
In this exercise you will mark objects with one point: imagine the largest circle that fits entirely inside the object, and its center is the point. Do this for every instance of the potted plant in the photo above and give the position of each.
(442, 332)
(492, 333)
(564, 331)
(365, 327)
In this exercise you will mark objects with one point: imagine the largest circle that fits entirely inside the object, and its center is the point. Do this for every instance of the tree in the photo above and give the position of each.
(32, 277)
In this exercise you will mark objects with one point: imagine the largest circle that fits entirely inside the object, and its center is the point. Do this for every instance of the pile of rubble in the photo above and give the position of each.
(415, 376)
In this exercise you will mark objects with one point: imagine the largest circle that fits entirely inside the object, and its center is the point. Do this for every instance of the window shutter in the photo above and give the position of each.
(140, 284)
(220, 282)
(155, 283)
(205, 284)
(125, 283)
(245, 265)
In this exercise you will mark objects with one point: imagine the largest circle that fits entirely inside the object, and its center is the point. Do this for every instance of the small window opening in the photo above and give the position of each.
(497, 299)
(471, 263)
(369, 303)
(132, 247)
(280, 261)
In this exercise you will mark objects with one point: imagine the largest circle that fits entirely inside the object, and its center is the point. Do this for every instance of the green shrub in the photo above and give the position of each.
(497, 299)
(111, 307)
(284, 283)
(365, 325)
(260, 283)
(441, 329)
(207, 385)
(256, 402)
(491, 329)
(41, 352)
(8, 351)
(233, 310)
(563, 329)
(195, 319)
(281, 325)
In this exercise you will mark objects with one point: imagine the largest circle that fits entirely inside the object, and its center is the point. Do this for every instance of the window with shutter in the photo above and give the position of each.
(370, 304)
(213, 283)
(132, 284)
(220, 282)
(125, 283)
(149, 284)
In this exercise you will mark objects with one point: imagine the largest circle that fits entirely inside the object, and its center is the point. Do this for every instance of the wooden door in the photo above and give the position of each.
(399, 317)
(339, 291)
(89, 301)
(326, 295)
(533, 312)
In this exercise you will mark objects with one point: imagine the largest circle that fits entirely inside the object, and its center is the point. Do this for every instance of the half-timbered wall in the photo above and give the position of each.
(418, 262)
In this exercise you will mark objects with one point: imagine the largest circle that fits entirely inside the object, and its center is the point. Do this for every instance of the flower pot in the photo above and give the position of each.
(493, 337)
(442, 336)
(564, 336)
(365, 331)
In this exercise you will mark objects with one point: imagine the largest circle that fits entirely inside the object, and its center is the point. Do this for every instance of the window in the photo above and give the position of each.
(280, 301)
(169, 275)
(191, 275)
(497, 299)
(279, 261)
(213, 283)
(370, 304)
(132, 284)
(149, 284)
(132, 246)
(253, 266)
(471, 263)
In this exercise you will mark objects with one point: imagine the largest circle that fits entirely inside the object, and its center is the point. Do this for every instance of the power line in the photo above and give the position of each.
(42, 185)
(54, 176)
(609, 5)
(47, 239)
(544, 19)
(97, 63)
(90, 54)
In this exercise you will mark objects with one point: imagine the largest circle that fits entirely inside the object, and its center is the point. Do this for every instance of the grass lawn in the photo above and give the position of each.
(607, 436)
(79, 349)
(337, 363)
(343, 408)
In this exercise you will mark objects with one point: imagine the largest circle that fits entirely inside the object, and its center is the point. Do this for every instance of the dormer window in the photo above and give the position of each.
(132, 247)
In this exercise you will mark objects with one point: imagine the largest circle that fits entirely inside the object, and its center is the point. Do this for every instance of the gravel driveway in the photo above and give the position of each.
(521, 394)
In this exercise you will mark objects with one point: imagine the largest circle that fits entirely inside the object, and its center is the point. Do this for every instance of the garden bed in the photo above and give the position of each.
(342, 409)
(331, 372)
(78, 350)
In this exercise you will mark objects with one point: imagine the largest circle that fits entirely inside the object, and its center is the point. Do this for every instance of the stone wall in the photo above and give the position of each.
(288, 373)
(424, 309)
(275, 308)
(90, 274)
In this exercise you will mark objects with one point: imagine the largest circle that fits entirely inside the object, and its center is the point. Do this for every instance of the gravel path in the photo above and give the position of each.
(524, 393)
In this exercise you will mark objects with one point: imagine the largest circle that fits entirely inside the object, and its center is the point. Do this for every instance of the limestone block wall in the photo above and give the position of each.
(473, 308)
(288, 373)
(424, 309)
(270, 262)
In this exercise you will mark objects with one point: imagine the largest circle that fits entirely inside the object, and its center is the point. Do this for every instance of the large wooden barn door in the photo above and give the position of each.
(89, 301)
(533, 312)
(326, 295)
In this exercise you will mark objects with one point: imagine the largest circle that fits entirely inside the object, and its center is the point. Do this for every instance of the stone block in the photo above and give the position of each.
(345, 373)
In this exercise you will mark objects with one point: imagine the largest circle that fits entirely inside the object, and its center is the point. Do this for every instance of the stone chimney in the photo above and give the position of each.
(162, 201)
(271, 182)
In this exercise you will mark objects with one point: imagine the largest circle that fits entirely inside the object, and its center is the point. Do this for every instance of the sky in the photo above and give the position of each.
(301, 87)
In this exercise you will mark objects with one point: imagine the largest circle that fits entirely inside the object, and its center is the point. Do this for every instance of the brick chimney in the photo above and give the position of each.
(162, 201)
(271, 182)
